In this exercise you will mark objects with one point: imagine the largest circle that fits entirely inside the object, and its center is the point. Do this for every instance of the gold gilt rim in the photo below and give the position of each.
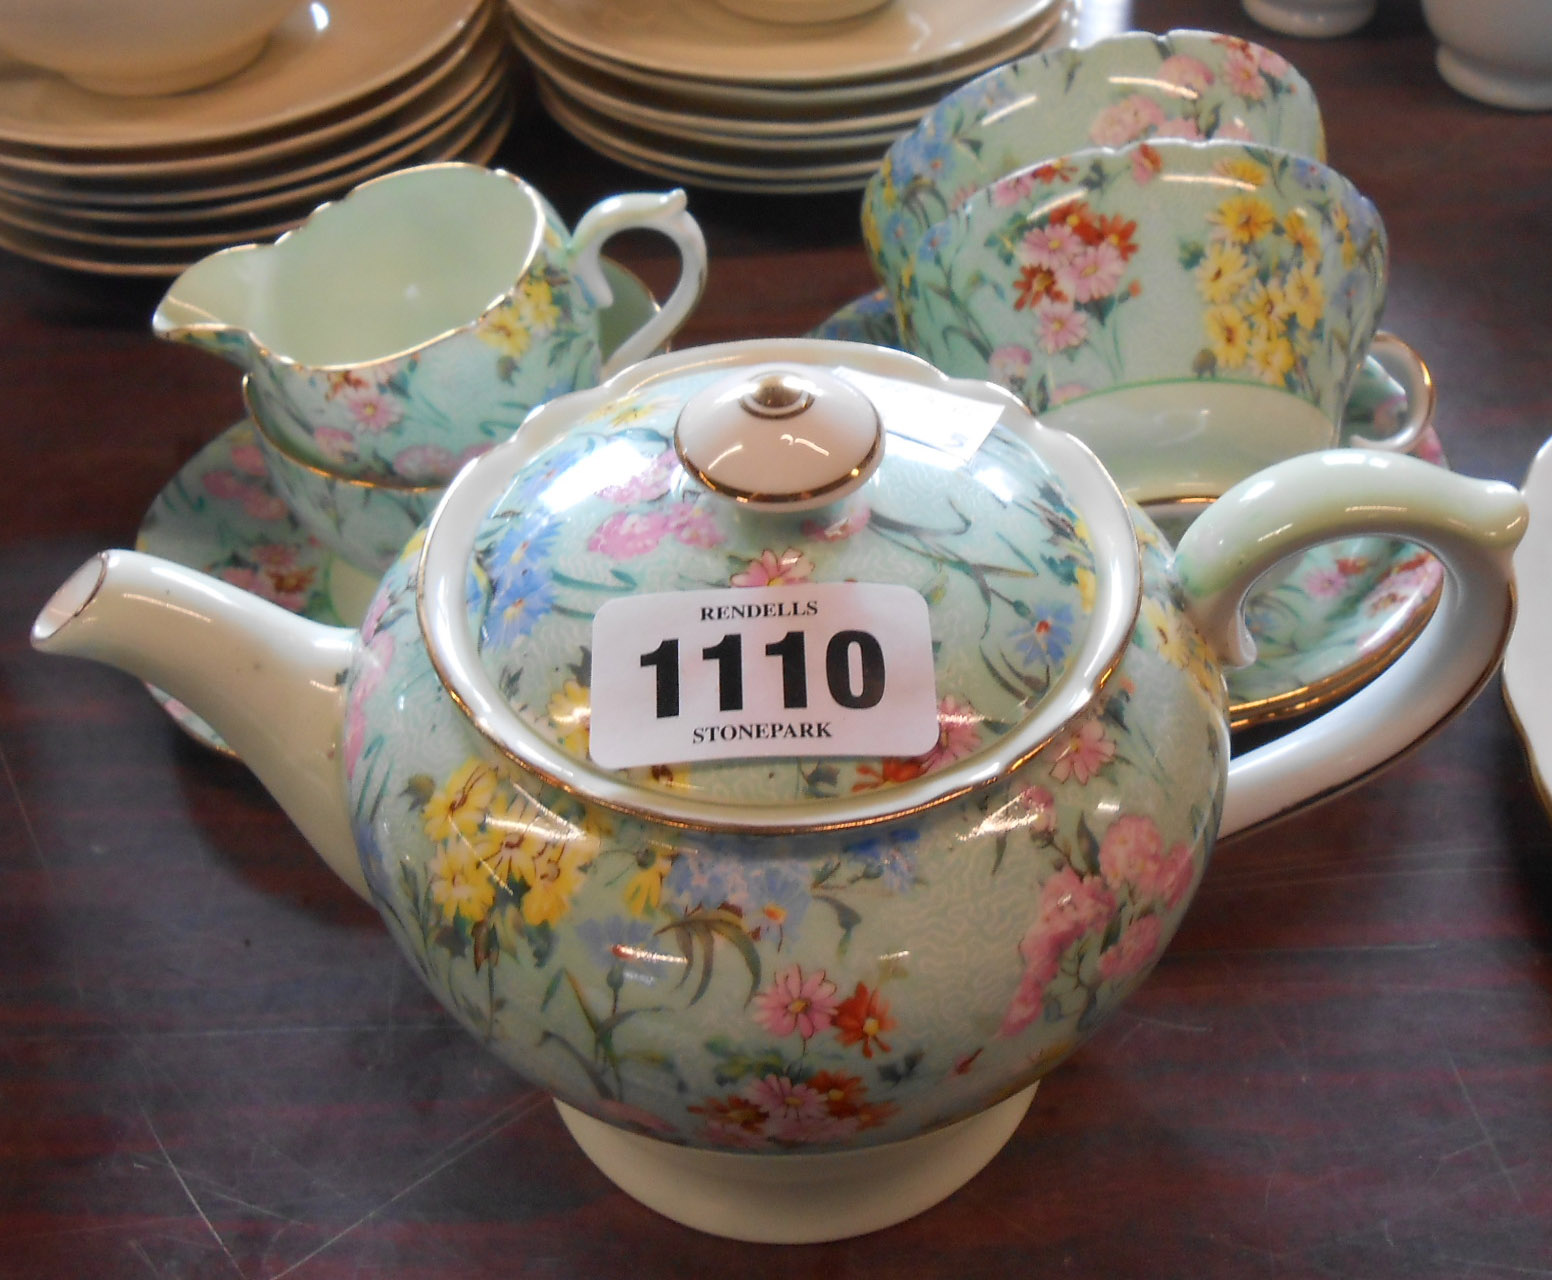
(1350, 784)
(1333, 688)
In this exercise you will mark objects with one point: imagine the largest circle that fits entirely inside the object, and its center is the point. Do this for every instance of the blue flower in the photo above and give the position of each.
(891, 862)
(1048, 636)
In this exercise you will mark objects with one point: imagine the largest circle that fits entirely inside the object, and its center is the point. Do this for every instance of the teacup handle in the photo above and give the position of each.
(1401, 361)
(1471, 525)
(666, 213)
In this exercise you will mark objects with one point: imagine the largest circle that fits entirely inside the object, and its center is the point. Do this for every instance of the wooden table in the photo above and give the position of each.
(213, 1062)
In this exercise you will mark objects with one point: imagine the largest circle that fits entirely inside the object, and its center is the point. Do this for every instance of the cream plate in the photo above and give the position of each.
(220, 515)
(1342, 612)
(752, 96)
(1527, 686)
(326, 54)
(476, 143)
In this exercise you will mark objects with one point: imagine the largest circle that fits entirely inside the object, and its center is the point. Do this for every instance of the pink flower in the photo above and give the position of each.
(1326, 584)
(248, 458)
(1132, 854)
(376, 655)
(1147, 164)
(795, 1002)
(852, 523)
(373, 411)
(1039, 807)
(335, 442)
(645, 485)
(1009, 364)
(1087, 750)
(1072, 907)
(1125, 121)
(771, 570)
(626, 534)
(786, 1104)
(1182, 127)
(1007, 192)
(1061, 326)
(1186, 71)
(425, 463)
(256, 500)
(1244, 75)
(1051, 245)
(959, 734)
(693, 526)
(1134, 951)
(1094, 272)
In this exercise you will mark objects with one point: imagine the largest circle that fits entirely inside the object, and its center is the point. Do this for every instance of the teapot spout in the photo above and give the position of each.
(270, 683)
(215, 303)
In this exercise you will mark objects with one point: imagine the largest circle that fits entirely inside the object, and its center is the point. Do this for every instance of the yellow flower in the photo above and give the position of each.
(536, 305)
(1223, 273)
(1243, 169)
(1305, 296)
(1242, 219)
(644, 890)
(1271, 357)
(1170, 637)
(1228, 334)
(459, 883)
(571, 711)
(1266, 308)
(1087, 586)
(553, 875)
(1301, 235)
(459, 806)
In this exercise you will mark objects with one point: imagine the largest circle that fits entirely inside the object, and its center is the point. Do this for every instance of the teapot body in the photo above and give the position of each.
(799, 991)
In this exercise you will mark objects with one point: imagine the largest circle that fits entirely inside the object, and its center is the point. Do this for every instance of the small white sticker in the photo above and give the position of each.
(954, 423)
(826, 669)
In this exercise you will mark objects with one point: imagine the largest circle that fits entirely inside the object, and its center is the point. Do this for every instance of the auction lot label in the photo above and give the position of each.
(826, 669)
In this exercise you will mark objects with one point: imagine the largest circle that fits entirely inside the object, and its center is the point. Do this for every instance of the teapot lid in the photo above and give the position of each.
(778, 586)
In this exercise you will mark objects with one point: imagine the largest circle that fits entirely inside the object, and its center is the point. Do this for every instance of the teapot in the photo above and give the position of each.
(785, 754)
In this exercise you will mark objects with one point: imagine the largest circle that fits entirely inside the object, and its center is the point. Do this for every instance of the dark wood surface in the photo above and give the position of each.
(213, 1063)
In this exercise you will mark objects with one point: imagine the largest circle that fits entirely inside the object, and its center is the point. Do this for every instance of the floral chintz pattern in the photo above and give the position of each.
(790, 992)
(392, 420)
(1129, 88)
(1087, 273)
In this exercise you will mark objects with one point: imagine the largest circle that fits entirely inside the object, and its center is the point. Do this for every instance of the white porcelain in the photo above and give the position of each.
(1526, 687)
(710, 43)
(1312, 18)
(139, 47)
(319, 58)
(1497, 51)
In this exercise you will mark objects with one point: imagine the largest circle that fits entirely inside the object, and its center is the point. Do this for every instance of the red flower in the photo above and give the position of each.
(1119, 232)
(843, 1094)
(1036, 284)
(1054, 171)
(862, 1019)
(1077, 215)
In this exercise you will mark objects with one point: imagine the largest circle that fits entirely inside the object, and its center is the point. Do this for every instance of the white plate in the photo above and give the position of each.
(326, 54)
(478, 144)
(1051, 24)
(1527, 680)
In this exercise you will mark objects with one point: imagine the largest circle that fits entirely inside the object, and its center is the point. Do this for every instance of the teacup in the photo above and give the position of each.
(1128, 88)
(423, 315)
(1194, 311)
(1496, 51)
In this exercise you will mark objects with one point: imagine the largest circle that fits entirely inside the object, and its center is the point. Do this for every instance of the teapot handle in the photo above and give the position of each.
(1471, 525)
(668, 214)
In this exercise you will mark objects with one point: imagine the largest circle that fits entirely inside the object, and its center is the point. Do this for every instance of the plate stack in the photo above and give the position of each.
(344, 90)
(694, 92)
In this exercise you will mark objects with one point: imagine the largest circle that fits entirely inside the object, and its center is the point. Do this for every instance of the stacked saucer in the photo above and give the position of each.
(344, 90)
(692, 91)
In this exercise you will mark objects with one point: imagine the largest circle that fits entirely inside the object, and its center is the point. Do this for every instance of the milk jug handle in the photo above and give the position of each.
(665, 213)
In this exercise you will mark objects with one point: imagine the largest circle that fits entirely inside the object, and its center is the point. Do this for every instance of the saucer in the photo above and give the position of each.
(220, 515)
(1342, 612)
(1526, 690)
